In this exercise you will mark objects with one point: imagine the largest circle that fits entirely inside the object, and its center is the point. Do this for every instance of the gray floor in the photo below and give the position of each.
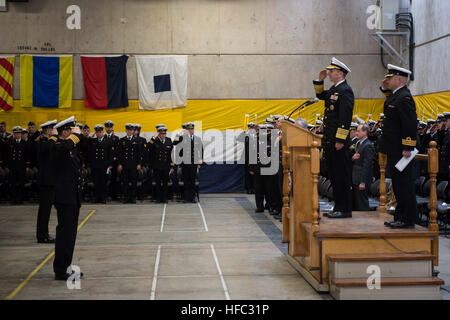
(219, 249)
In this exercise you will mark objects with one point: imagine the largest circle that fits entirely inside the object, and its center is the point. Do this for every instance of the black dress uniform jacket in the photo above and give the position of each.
(45, 160)
(339, 101)
(399, 124)
(100, 153)
(68, 171)
(129, 152)
(161, 153)
(196, 148)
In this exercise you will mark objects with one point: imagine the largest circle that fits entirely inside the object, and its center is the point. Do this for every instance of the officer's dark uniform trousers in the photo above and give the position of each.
(46, 182)
(67, 200)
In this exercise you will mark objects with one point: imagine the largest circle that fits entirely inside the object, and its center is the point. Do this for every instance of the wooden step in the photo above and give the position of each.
(389, 282)
(379, 257)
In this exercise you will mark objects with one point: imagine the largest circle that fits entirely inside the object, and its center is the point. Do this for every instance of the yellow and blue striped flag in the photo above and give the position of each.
(46, 81)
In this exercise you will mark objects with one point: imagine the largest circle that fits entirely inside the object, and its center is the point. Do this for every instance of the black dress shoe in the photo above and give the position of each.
(401, 225)
(66, 276)
(278, 216)
(257, 210)
(388, 223)
(339, 214)
(47, 239)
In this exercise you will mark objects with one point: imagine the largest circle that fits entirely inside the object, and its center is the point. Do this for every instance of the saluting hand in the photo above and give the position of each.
(76, 130)
(322, 74)
(384, 84)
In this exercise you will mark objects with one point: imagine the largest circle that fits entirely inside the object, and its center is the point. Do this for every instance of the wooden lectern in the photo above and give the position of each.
(301, 167)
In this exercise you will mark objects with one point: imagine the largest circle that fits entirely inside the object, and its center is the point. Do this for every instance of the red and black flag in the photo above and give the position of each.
(105, 82)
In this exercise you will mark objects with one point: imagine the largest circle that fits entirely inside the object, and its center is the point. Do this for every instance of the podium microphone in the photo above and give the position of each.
(305, 104)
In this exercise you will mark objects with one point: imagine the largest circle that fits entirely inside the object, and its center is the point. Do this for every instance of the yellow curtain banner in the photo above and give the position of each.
(214, 114)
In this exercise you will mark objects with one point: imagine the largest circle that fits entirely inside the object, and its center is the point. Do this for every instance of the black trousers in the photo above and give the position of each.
(360, 199)
(339, 166)
(100, 179)
(66, 234)
(113, 187)
(46, 198)
(279, 189)
(161, 177)
(264, 189)
(189, 172)
(16, 181)
(403, 185)
(129, 184)
(249, 180)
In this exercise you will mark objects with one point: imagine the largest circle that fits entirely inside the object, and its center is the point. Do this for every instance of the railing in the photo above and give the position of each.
(433, 167)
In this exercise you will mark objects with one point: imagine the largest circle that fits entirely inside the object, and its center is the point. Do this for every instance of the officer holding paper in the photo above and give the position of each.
(397, 141)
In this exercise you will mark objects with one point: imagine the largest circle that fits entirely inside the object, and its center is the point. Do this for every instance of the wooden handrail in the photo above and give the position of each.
(433, 167)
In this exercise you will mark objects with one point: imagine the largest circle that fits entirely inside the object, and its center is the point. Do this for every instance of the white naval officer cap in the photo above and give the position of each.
(396, 71)
(66, 124)
(48, 124)
(336, 64)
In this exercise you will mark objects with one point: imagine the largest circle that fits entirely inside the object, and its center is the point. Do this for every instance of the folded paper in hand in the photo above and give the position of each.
(403, 162)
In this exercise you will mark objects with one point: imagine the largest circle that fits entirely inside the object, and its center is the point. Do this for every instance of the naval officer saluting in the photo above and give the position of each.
(67, 195)
(339, 102)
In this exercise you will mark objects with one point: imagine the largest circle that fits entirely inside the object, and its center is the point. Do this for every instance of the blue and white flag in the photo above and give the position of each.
(162, 81)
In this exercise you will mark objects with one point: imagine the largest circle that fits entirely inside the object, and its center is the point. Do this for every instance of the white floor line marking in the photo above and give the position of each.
(185, 230)
(163, 217)
(203, 216)
(225, 289)
(155, 274)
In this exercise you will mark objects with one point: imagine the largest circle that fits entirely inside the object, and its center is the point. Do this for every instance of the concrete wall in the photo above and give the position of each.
(432, 53)
(247, 49)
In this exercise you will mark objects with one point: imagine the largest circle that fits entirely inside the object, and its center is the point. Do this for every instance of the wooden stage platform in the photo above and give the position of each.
(364, 237)
(333, 253)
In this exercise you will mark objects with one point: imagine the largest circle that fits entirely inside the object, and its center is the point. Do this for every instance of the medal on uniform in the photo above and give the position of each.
(332, 107)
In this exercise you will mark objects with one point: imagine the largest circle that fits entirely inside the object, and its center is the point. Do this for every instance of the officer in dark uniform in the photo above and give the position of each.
(83, 147)
(100, 160)
(339, 102)
(129, 159)
(143, 151)
(4, 137)
(18, 162)
(142, 143)
(67, 196)
(248, 178)
(33, 135)
(278, 185)
(191, 154)
(263, 183)
(162, 165)
(45, 180)
(113, 188)
(444, 152)
(398, 140)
